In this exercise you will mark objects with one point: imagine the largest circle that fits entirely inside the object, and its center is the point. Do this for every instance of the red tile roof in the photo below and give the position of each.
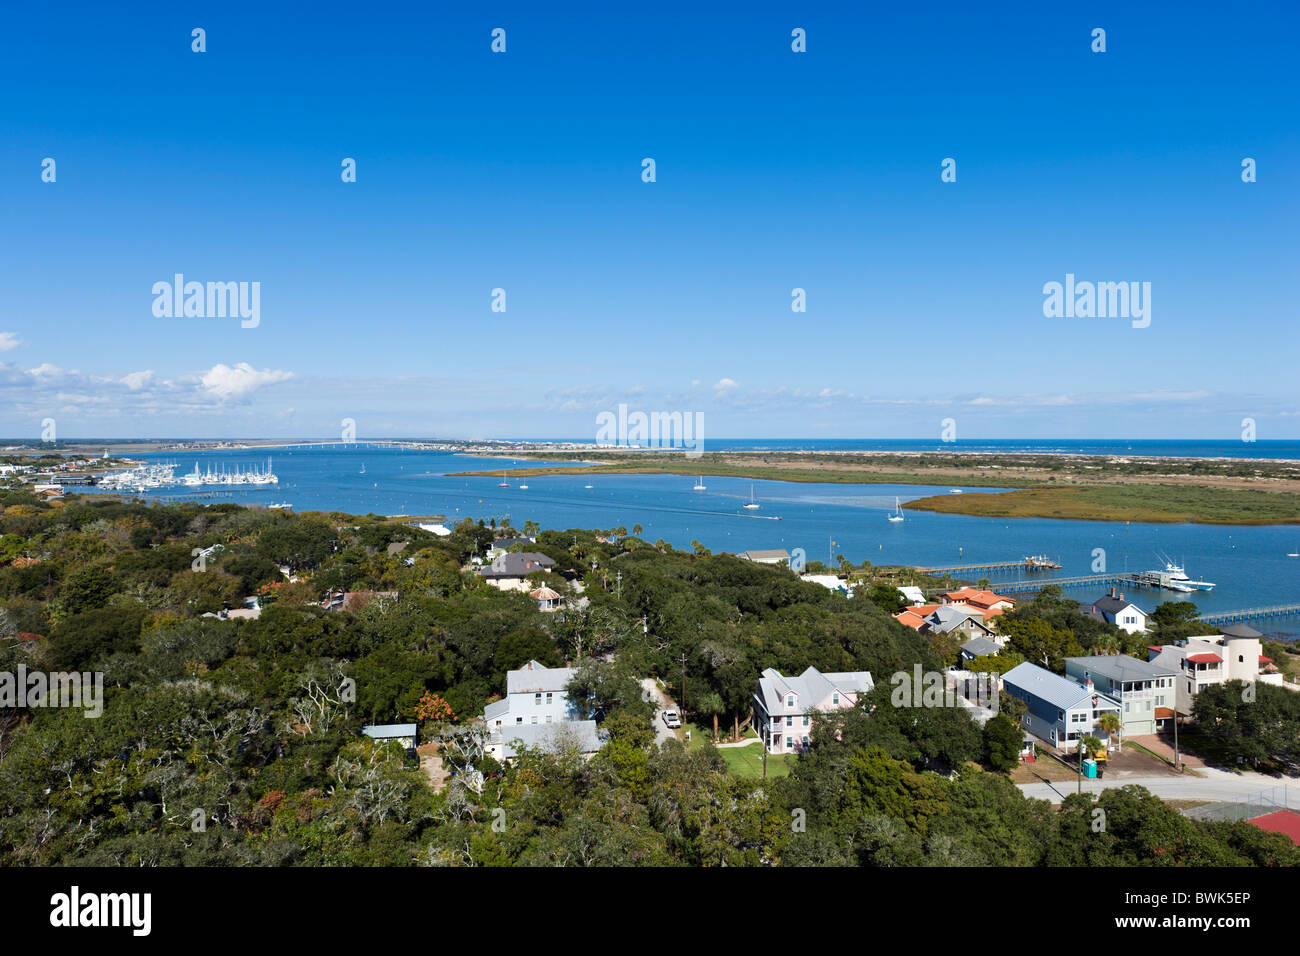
(910, 618)
(1204, 658)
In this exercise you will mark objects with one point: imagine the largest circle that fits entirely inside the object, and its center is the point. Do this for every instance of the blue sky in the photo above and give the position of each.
(522, 171)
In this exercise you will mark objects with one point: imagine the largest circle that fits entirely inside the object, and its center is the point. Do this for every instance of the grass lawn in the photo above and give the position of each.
(742, 761)
(748, 762)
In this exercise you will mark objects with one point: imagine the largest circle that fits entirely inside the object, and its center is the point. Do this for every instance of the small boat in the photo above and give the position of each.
(1182, 588)
(503, 483)
(699, 485)
(1293, 554)
(955, 491)
(523, 487)
(751, 505)
(586, 486)
(363, 468)
(898, 512)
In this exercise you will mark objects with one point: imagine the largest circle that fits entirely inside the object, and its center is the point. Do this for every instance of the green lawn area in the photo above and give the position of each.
(748, 762)
(742, 761)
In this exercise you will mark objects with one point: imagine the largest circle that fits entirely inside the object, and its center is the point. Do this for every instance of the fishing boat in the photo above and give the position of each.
(1178, 575)
(699, 484)
(751, 505)
(898, 512)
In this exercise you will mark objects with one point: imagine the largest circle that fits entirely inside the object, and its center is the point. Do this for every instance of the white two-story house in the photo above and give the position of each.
(536, 711)
(783, 706)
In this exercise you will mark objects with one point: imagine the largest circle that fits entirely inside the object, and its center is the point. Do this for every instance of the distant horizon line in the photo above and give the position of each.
(324, 440)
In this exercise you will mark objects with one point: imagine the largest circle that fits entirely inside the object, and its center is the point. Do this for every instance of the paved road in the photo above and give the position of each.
(1213, 785)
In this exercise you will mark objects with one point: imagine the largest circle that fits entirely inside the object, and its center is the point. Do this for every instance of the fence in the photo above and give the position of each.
(1249, 806)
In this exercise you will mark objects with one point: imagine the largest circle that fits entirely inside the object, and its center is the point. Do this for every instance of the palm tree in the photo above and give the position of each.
(1110, 723)
(712, 704)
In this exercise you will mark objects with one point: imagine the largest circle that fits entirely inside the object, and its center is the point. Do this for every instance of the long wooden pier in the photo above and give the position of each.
(1024, 564)
(1082, 581)
(1272, 612)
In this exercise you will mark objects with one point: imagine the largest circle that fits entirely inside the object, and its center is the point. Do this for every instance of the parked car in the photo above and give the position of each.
(671, 719)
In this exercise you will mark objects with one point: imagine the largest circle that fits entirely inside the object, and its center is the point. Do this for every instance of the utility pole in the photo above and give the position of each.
(683, 702)
(618, 585)
(1178, 764)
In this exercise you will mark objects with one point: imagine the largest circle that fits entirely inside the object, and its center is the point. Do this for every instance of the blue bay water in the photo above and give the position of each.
(1248, 564)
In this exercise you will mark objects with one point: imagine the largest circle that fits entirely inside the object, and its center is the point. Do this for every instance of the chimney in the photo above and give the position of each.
(1087, 683)
(1121, 595)
(1112, 592)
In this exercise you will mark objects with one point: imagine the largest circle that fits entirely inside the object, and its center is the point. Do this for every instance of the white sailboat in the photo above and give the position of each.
(699, 484)
(503, 483)
(363, 468)
(898, 512)
(751, 505)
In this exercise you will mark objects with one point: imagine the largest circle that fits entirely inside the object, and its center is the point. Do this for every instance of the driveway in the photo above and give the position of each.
(662, 702)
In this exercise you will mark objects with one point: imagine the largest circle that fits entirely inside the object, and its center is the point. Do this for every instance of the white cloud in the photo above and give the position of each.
(724, 383)
(9, 341)
(223, 381)
(137, 380)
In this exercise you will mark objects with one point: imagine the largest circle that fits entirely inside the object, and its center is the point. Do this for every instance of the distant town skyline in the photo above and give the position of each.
(780, 178)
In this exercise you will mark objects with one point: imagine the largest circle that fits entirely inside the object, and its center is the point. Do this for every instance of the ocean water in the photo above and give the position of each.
(1248, 564)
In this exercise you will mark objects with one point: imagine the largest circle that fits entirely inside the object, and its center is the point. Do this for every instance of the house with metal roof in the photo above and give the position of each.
(1060, 712)
(783, 706)
(536, 696)
(770, 556)
(1144, 690)
(404, 734)
(580, 736)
